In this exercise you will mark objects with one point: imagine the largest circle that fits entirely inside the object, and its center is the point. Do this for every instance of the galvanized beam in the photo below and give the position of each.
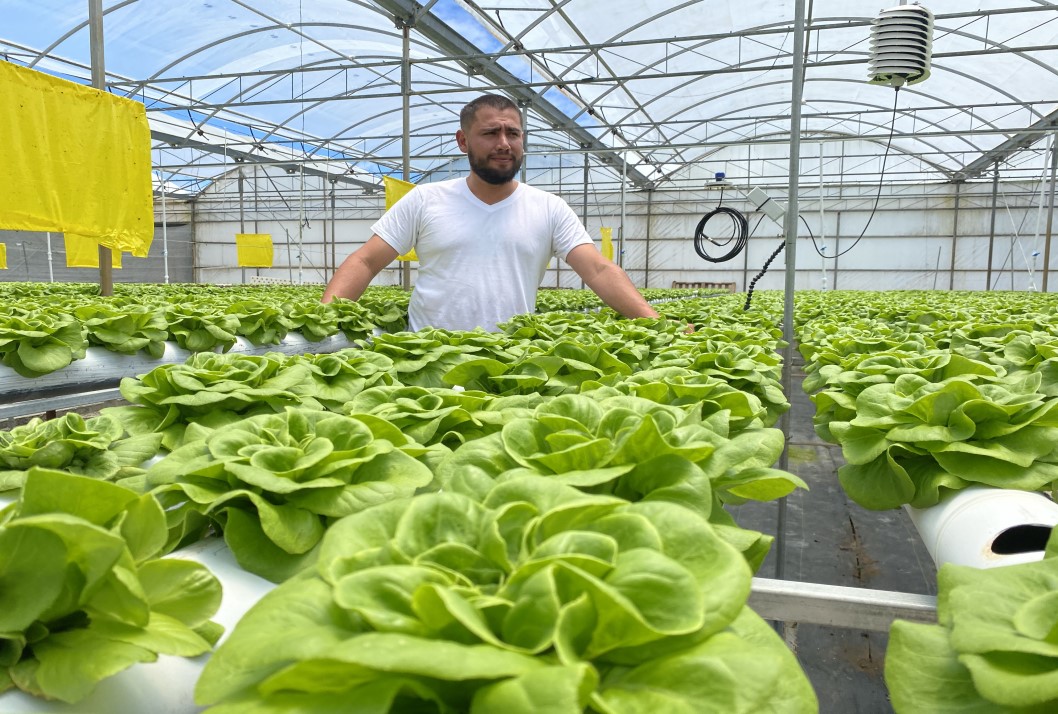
(837, 605)
(183, 142)
(451, 43)
(1016, 143)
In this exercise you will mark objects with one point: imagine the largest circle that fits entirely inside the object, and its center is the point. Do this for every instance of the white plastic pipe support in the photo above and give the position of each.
(965, 526)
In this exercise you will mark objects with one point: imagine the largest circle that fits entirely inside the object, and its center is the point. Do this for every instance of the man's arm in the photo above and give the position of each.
(359, 269)
(608, 281)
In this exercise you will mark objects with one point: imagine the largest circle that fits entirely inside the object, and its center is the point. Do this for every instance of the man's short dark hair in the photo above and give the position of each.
(495, 101)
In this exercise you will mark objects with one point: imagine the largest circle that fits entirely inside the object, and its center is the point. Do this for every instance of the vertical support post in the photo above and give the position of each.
(584, 201)
(523, 109)
(334, 227)
(51, 271)
(256, 211)
(1050, 213)
(992, 227)
(624, 216)
(165, 233)
(95, 33)
(242, 217)
(650, 222)
(323, 189)
(955, 233)
(405, 91)
(837, 246)
(301, 223)
(194, 242)
(790, 228)
(822, 220)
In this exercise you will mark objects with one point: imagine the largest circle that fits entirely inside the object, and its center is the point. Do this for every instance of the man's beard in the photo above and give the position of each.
(490, 175)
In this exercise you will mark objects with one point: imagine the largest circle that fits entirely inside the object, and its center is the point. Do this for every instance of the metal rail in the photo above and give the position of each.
(837, 605)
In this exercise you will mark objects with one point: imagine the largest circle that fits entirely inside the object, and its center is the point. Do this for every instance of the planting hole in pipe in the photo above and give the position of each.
(1021, 539)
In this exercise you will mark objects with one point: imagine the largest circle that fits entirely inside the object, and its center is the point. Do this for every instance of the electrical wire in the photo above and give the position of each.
(878, 196)
(739, 233)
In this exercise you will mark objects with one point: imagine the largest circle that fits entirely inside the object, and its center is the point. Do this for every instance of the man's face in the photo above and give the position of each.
(493, 145)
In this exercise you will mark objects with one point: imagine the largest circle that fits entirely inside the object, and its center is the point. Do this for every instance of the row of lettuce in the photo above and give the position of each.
(45, 327)
(928, 393)
(529, 521)
(559, 471)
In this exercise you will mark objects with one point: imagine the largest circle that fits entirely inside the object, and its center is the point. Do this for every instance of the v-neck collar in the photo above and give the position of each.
(488, 206)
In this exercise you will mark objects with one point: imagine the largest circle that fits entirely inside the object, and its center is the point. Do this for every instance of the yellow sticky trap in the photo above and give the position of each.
(607, 242)
(83, 252)
(3, 256)
(254, 250)
(396, 190)
(76, 160)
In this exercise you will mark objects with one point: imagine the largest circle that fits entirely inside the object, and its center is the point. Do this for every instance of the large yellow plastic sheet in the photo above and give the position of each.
(607, 242)
(76, 160)
(396, 190)
(3, 256)
(254, 250)
(83, 252)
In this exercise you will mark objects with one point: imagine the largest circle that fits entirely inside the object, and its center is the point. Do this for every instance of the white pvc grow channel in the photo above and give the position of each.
(987, 527)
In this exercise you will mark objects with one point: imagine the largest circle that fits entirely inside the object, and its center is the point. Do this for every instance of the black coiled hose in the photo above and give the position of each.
(758, 276)
(739, 233)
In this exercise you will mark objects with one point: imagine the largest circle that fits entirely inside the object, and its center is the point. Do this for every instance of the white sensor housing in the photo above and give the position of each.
(901, 45)
(763, 202)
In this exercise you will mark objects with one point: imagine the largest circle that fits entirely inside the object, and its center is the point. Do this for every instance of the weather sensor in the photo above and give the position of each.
(901, 45)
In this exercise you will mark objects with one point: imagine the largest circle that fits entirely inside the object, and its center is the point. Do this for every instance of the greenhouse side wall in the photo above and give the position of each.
(907, 244)
(27, 259)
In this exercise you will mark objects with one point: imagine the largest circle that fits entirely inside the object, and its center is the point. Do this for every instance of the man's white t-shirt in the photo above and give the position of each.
(479, 264)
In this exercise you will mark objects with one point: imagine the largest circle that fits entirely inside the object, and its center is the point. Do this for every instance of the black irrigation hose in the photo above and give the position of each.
(739, 233)
(758, 276)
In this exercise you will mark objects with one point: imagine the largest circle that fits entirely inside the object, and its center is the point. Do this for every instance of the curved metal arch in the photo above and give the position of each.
(277, 24)
(558, 9)
(73, 31)
(871, 140)
(929, 96)
(943, 172)
(695, 47)
(275, 127)
(238, 35)
(737, 90)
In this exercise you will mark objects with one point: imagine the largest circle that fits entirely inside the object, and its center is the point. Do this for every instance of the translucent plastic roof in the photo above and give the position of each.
(678, 90)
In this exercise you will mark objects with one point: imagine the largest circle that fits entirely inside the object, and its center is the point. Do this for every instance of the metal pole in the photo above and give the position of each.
(992, 228)
(95, 33)
(523, 109)
(256, 212)
(837, 246)
(334, 226)
(584, 201)
(323, 187)
(194, 242)
(790, 228)
(51, 272)
(405, 91)
(621, 230)
(1050, 213)
(242, 218)
(301, 224)
(646, 253)
(954, 234)
(822, 223)
(165, 234)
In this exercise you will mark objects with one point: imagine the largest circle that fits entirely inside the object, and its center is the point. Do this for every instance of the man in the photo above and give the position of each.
(483, 242)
